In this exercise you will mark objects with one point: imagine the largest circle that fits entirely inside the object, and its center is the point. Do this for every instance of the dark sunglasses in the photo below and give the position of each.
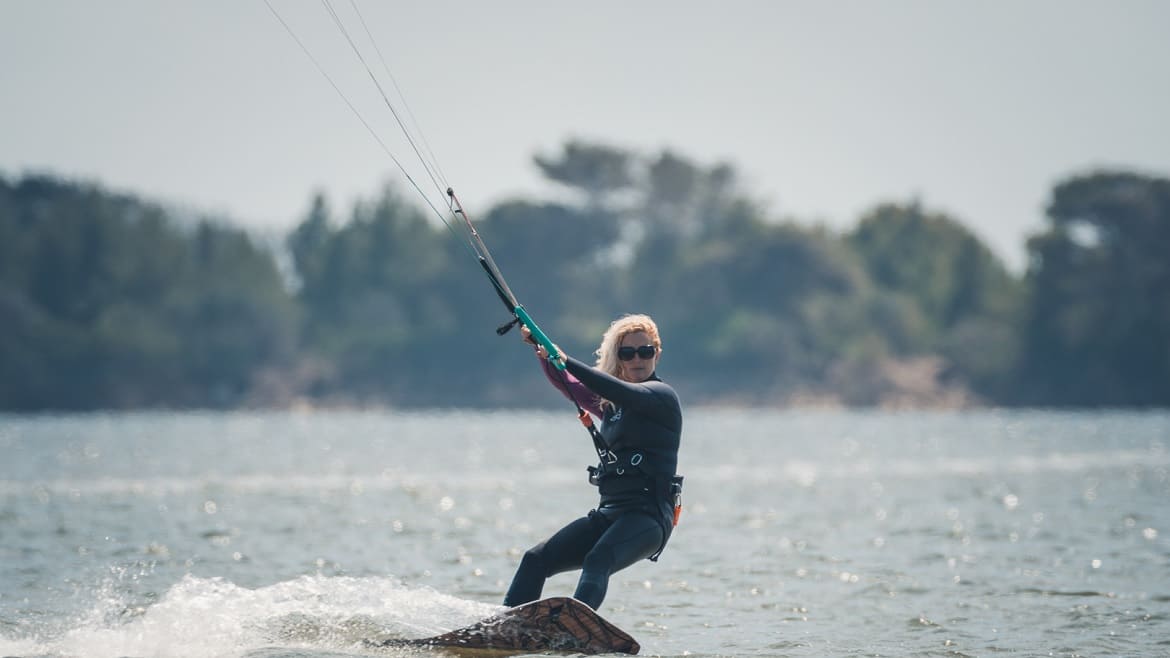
(645, 351)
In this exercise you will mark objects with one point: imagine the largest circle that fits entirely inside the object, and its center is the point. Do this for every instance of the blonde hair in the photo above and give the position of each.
(607, 359)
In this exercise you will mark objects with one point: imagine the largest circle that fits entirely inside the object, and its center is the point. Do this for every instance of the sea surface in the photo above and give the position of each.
(826, 533)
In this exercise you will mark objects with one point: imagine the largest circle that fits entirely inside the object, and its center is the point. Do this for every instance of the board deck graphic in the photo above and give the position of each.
(560, 624)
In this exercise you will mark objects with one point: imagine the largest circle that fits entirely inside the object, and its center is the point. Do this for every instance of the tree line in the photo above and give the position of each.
(112, 301)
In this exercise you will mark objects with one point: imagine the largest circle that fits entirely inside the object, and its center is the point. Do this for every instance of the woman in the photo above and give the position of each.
(638, 445)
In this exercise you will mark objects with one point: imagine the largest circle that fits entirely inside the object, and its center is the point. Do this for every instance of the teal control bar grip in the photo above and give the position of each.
(540, 338)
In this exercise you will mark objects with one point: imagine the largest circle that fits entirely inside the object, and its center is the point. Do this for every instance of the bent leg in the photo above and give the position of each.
(562, 552)
(631, 537)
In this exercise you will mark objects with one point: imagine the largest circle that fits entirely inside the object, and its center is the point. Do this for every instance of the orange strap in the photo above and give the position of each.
(585, 418)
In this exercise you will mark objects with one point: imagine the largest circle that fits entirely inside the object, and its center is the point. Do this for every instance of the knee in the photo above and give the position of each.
(598, 561)
(533, 560)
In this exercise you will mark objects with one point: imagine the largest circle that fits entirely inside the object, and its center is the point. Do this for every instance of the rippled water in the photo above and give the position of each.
(804, 534)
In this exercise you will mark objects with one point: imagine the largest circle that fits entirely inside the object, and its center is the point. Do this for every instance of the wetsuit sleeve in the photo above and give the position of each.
(572, 388)
(653, 397)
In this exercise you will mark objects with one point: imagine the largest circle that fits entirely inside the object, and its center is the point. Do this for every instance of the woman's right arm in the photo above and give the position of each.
(565, 382)
(571, 387)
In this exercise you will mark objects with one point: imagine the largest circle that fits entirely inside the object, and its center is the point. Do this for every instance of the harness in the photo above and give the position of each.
(640, 472)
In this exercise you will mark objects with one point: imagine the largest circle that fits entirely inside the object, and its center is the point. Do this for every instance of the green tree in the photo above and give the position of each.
(307, 247)
(113, 302)
(371, 290)
(597, 171)
(681, 196)
(1099, 314)
(754, 312)
(935, 260)
(967, 297)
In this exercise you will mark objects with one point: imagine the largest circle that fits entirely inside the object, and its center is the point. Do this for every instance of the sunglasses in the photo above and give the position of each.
(646, 352)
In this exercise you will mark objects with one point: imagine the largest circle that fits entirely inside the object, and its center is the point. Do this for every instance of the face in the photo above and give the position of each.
(637, 369)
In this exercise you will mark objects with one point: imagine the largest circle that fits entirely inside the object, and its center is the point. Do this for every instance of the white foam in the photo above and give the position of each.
(204, 618)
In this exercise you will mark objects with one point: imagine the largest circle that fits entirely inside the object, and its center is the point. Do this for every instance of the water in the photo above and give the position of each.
(273, 535)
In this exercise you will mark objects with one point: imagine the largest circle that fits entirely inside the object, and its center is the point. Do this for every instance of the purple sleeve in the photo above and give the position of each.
(572, 388)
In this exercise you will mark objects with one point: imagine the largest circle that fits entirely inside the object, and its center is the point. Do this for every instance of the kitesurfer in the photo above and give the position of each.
(638, 449)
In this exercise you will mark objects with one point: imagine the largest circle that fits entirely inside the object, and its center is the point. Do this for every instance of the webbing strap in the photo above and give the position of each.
(603, 451)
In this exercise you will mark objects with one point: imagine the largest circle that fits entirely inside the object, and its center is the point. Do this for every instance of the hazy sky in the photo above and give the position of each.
(825, 108)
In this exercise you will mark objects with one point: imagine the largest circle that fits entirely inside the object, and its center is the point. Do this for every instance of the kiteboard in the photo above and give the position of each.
(554, 625)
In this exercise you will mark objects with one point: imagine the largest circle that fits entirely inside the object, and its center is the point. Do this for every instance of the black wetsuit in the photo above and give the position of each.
(633, 520)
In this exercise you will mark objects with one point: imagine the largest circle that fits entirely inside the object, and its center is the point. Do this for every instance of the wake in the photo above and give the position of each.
(211, 617)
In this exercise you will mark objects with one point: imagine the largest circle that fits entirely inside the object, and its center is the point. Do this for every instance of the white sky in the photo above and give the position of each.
(825, 108)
